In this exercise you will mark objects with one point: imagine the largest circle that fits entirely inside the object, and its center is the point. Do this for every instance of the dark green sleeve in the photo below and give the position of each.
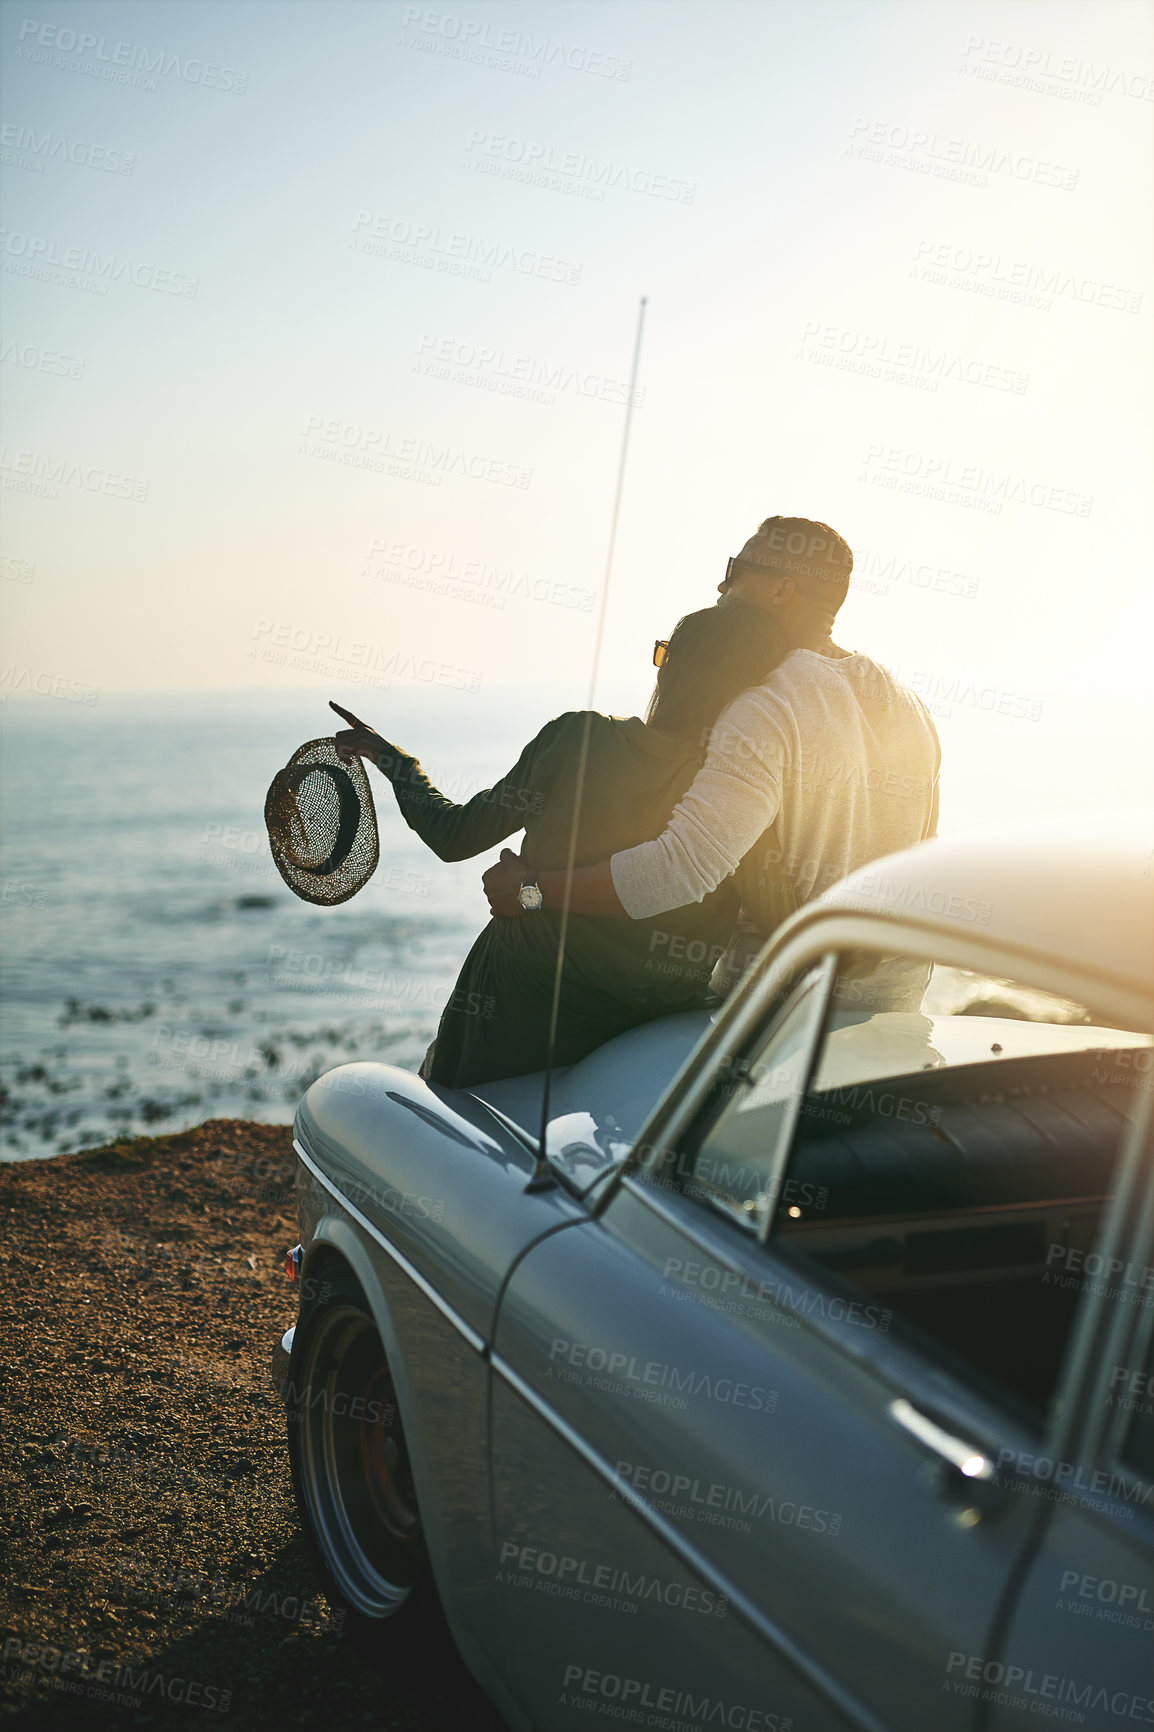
(458, 832)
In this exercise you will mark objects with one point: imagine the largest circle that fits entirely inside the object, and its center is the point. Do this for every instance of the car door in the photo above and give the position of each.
(1077, 1637)
(629, 1422)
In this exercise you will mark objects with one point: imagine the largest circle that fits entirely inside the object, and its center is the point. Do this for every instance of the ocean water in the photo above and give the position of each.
(156, 970)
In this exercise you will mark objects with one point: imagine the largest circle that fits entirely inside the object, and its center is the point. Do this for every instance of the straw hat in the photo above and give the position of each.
(322, 825)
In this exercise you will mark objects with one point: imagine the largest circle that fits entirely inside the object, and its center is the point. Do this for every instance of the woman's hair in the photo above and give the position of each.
(713, 656)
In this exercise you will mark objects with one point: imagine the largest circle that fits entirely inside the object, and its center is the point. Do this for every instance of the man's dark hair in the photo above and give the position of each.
(811, 553)
(713, 656)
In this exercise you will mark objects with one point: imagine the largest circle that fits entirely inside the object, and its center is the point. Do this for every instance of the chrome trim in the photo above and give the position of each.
(279, 1365)
(477, 1342)
(766, 1627)
(736, 1025)
(815, 1033)
(966, 1457)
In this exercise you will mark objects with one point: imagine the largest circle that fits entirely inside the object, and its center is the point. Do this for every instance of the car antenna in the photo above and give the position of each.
(541, 1176)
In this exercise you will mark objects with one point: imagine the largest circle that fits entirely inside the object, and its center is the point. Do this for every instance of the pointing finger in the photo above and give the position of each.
(349, 717)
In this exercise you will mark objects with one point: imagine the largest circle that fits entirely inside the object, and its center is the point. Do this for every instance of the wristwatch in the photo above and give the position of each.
(530, 898)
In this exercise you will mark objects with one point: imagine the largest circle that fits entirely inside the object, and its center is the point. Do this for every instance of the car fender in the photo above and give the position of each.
(336, 1236)
(457, 1570)
(436, 1175)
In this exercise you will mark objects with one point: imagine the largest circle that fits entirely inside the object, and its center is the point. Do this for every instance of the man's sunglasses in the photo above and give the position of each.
(661, 647)
(734, 565)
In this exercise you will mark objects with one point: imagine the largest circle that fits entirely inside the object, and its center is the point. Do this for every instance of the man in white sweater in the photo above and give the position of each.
(828, 765)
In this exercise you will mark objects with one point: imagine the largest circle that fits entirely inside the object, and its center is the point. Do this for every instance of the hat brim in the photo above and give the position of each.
(354, 851)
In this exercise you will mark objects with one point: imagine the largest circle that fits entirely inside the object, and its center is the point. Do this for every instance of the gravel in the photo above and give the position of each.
(154, 1572)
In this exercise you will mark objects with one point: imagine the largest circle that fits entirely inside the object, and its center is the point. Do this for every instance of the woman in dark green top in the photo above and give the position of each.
(617, 972)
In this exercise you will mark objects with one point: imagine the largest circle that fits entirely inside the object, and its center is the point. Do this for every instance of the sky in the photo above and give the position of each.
(318, 324)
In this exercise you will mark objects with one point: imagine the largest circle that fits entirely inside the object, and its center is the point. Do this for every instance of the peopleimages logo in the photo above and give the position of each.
(878, 356)
(1032, 68)
(722, 1505)
(376, 448)
(477, 40)
(491, 369)
(34, 255)
(1018, 280)
(1026, 1471)
(121, 63)
(1030, 1689)
(444, 573)
(573, 170)
(33, 472)
(622, 1698)
(46, 685)
(729, 1283)
(651, 1378)
(1070, 1266)
(531, 1562)
(985, 489)
(1103, 1597)
(46, 1657)
(39, 360)
(402, 242)
(952, 158)
(44, 147)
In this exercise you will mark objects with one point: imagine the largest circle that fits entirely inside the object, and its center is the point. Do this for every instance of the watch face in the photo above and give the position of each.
(529, 896)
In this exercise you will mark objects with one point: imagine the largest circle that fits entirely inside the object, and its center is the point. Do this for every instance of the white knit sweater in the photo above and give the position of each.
(833, 748)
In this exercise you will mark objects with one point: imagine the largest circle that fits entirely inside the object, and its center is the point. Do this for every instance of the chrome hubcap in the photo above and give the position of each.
(355, 1467)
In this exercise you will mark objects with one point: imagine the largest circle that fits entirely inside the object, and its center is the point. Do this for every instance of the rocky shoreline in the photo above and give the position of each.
(154, 1568)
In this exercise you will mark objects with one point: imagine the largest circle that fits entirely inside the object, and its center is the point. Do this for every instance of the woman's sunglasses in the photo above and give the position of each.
(659, 651)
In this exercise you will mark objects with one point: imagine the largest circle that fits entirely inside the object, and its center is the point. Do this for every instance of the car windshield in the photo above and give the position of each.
(952, 1018)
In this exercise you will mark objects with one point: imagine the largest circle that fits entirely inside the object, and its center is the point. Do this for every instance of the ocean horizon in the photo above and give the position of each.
(157, 971)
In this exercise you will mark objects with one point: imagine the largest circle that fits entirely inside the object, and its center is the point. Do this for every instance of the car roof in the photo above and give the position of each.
(1076, 889)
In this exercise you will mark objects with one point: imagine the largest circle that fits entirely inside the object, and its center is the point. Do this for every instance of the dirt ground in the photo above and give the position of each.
(153, 1567)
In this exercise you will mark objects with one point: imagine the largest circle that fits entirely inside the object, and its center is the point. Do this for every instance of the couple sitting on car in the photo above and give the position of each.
(770, 763)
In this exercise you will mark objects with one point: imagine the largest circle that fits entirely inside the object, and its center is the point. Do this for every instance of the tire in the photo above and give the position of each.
(350, 1466)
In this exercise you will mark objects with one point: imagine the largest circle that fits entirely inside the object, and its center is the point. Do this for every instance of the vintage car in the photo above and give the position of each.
(803, 1380)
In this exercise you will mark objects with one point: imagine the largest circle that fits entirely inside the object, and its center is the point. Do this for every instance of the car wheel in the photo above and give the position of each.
(350, 1464)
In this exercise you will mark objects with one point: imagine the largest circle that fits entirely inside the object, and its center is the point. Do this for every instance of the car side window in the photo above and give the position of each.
(753, 1106)
(952, 1161)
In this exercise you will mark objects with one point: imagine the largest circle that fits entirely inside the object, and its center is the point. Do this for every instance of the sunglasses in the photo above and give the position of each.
(735, 565)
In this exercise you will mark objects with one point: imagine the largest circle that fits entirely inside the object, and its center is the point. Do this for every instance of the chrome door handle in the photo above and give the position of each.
(969, 1461)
